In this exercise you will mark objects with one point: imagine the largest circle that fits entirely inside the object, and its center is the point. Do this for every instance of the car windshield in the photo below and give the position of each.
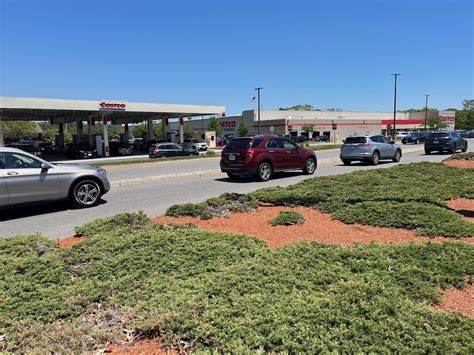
(355, 140)
(239, 143)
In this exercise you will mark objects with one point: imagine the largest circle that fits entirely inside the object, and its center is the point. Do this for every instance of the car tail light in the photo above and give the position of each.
(364, 145)
(249, 154)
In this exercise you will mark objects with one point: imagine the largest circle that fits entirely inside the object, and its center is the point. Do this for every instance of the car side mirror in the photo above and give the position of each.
(45, 166)
(392, 142)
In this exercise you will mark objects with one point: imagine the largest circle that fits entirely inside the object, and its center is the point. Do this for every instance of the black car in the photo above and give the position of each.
(47, 147)
(449, 141)
(81, 151)
(415, 137)
(321, 139)
(146, 145)
(470, 134)
(32, 148)
(299, 139)
(170, 150)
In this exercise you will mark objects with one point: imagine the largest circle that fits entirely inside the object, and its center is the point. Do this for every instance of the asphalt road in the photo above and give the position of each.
(152, 188)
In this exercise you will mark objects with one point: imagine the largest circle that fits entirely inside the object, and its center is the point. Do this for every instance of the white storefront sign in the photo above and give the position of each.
(449, 118)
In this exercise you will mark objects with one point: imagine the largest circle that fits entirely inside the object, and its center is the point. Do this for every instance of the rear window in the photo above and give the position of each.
(355, 140)
(439, 135)
(238, 143)
(255, 143)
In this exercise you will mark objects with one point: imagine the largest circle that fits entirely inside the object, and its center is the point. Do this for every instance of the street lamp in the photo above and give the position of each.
(426, 110)
(258, 108)
(395, 108)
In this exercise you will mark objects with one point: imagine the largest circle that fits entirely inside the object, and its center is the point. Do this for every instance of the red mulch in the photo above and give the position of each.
(466, 164)
(463, 206)
(144, 346)
(457, 300)
(70, 241)
(318, 227)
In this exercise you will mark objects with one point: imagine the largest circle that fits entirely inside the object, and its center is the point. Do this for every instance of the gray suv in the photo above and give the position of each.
(25, 178)
(370, 149)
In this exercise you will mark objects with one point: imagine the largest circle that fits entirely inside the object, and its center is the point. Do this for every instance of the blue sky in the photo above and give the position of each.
(324, 53)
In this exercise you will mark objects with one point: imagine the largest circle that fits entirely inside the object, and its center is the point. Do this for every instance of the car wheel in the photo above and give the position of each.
(417, 141)
(375, 158)
(309, 166)
(232, 176)
(397, 156)
(427, 152)
(264, 172)
(464, 150)
(86, 193)
(346, 162)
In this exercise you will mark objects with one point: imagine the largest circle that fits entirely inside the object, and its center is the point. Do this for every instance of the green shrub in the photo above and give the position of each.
(211, 153)
(462, 156)
(423, 186)
(230, 293)
(426, 219)
(221, 206)
(128, 221)
(287, 218)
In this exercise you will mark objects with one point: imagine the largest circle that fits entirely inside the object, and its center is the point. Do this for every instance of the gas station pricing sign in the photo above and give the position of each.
(112, 106)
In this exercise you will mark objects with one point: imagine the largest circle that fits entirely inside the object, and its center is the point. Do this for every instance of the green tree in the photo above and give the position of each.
(305, 107)
(435, 123)
(415, 110)
(16, 130)
(140, 130)
(188, 130)
(243, 129)
(49, 131)
(334, 109)
(468, 105)
(214, 125)
(308, 128)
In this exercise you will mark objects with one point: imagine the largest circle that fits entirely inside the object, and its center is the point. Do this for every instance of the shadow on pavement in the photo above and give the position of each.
(37, 209)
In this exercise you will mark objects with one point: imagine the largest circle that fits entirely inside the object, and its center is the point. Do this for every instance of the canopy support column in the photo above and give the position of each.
(106, 135)
(149, 129)
(126, 133)
(2, 143)
(181, 130)
(60, 142)
(79, 131)
(91, 130)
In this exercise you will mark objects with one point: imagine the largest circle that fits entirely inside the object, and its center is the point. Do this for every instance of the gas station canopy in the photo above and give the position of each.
(65, 111)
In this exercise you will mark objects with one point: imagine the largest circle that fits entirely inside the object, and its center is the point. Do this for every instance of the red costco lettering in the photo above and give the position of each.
(228, 124)
(112, 105)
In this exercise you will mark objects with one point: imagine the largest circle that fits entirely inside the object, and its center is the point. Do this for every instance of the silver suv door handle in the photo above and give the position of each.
(12, 173)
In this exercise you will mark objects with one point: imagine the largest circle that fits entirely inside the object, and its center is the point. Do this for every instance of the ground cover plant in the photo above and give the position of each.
(462, 156)
(205, 291)
(287, 218)
(411, 196)
(220, 206)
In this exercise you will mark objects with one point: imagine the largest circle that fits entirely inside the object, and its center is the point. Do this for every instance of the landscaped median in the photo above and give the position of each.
(194, 289)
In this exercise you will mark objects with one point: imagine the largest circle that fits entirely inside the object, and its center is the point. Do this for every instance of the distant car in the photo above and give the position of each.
(415, 137)
(47, 147)
(170, 150)
(146, 145)
(449, 141)
(120, 148)
(470, 134)
(136, 143)
(195, 143)
(32, 148)
(81, 151)
(402, 135)
(299, 139)
(27, 178)
(462, 133)
(369, 149)
(261, 156)
(321, 138)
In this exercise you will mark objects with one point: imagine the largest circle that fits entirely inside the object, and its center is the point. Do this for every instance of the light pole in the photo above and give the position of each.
(258, 108)
(395, 108)
(426, 109)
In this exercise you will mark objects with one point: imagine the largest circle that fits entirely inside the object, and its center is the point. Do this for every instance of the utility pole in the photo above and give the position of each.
(395, 108)
(426, 110)
(258, 108)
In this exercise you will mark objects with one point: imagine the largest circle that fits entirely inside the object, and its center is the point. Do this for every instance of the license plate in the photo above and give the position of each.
(231, 156)
(435, 142)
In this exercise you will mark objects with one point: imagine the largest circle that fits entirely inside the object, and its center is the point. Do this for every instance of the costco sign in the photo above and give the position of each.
(112, 106)
(449, 118)
(228, 125)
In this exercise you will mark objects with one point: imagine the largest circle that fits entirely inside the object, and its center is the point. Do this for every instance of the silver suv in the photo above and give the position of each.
(25, 178)
(370, 149)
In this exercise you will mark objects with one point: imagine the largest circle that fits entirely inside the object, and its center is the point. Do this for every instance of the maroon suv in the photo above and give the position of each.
(263, 155)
